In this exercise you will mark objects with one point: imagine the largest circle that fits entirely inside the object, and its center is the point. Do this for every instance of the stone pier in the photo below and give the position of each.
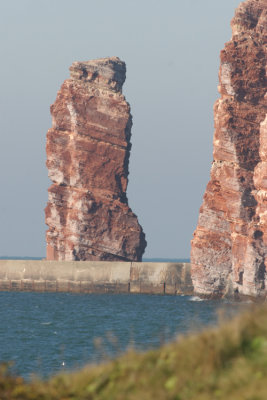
(95, 277)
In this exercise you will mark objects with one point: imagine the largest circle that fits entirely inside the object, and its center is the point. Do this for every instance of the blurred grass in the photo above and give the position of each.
(227, 362)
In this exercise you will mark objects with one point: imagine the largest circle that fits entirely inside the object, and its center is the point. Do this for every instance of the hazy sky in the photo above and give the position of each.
(171, 49)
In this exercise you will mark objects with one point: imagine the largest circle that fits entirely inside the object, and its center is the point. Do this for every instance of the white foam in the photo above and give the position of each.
(196, 298)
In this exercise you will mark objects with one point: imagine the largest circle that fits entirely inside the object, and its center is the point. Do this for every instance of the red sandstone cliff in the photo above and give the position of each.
(88, 151)
(229, 248)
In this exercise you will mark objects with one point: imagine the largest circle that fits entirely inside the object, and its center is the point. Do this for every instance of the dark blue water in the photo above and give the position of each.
(43, 333)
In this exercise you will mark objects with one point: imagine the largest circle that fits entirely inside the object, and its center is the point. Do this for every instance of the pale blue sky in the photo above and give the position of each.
(171, 49)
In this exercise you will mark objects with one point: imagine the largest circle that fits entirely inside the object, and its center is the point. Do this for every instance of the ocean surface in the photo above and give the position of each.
(44, 333)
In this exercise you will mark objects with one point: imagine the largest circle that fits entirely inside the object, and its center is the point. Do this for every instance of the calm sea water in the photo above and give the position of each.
(44, 333)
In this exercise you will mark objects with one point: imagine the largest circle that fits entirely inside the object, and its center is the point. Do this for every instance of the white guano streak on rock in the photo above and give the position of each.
(56, 175)
(73, 118)
(226, 70)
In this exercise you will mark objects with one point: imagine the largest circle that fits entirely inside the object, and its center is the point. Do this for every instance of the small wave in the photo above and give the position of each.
(46, 323)
(196, 298)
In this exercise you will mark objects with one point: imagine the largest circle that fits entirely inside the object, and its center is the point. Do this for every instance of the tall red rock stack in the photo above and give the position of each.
(229, 248)
(88, 151)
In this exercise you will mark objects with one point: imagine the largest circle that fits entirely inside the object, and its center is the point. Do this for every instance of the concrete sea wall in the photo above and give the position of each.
(95, 277)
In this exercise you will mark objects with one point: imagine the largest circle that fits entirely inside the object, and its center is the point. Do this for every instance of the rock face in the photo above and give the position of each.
(88, 151)
(229, 248)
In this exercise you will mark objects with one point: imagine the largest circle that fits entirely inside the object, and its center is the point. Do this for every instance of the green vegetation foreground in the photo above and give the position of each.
(228, 362)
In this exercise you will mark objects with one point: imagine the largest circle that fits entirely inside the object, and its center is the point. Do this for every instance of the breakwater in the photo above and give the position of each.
(95, 277)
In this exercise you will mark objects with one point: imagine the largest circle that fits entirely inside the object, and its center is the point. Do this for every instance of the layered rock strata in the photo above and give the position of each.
(229, 247)
(88, 151)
